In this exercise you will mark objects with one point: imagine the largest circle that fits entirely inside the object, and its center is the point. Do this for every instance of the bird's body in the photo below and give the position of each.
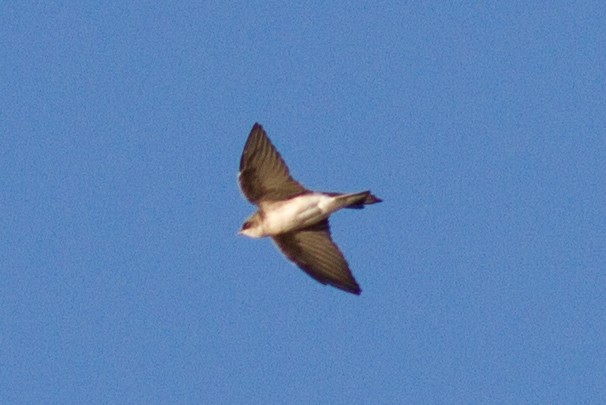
(295, 218)
(296, 213)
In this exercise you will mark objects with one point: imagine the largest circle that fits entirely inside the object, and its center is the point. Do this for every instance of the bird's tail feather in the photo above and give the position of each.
(358, 200)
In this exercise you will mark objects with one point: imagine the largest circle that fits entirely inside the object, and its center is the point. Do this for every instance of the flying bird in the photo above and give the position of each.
(293, 216)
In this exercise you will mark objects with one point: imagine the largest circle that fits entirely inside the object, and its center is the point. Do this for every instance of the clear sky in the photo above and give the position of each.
(483, 128)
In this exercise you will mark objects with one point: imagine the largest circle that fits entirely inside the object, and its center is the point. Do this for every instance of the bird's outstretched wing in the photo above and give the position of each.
(313, 250)
(263, 174)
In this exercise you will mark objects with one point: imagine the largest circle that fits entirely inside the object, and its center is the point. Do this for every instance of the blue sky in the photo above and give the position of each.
(483, 128)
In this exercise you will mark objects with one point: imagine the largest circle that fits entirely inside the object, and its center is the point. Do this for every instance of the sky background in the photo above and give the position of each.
(483, 128)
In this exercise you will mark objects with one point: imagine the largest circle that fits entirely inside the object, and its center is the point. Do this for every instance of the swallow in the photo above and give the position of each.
(294, 217)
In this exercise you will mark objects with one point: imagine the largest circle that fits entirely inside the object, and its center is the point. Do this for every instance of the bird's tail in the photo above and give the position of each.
(358, 200)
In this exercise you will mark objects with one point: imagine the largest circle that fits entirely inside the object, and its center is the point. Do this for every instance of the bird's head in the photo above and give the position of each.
(252, 227)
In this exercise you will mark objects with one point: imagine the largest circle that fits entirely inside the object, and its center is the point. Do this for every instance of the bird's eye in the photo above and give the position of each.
(246, 226)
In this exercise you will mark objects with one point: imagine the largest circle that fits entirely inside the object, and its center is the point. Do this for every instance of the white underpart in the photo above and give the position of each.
(299, 212)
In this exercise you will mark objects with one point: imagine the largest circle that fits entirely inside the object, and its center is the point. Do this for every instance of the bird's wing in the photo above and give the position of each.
(313, 250)
(263, 174)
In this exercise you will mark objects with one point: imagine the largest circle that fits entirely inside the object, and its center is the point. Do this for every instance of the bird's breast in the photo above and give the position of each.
(295, 213)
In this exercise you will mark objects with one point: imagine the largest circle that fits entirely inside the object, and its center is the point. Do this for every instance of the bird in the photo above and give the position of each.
(295, 218)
